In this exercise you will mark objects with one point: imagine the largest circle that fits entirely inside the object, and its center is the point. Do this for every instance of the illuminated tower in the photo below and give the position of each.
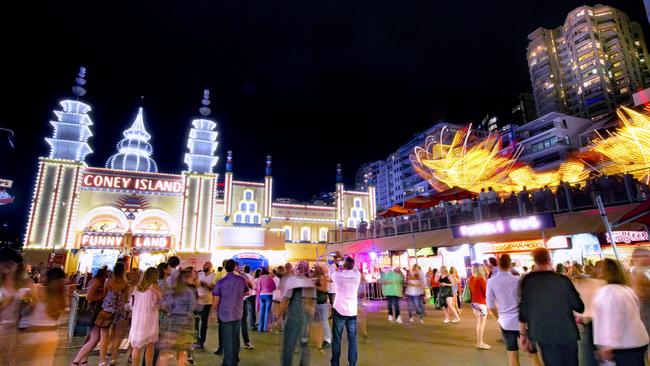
(227, 188)
(339, 195)
(200, 182)
(202, 142)
(58, 179)
(134, 151)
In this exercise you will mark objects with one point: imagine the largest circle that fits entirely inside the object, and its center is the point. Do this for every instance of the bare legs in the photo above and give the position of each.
(480, 329)
(513, 358)
(450, 309)
(93, 339)
(181, 358)
(117, 334)
(103, 345)
(148, 355)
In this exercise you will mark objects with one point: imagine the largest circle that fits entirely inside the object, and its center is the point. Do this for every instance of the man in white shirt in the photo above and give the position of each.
(503, 303)
(344, 312)
(298, 304)
(206, 282)
(174, 263)
(249, 301)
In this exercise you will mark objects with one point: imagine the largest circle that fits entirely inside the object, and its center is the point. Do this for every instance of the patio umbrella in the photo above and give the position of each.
(419, 202)
(393, 211)
(453, 194)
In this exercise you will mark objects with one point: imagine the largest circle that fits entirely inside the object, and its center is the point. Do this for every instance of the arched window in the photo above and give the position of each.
(305, 234)
(357, 214)
(248, 210)
(322, 234)
(287, 233)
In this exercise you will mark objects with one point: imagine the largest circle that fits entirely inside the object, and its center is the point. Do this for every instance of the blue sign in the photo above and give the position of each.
(253, 260)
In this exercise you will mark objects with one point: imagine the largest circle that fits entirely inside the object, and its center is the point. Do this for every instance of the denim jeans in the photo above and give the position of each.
(230, 332)
(323, 312)
(415, 305)
(265, 312)
(244, 325)
(350, 323)
(295, 329)
(249, 306)
(393, 305)
(201, 324)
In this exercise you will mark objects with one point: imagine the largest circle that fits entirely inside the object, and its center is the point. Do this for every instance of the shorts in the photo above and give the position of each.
(511, 338)
(479, 309)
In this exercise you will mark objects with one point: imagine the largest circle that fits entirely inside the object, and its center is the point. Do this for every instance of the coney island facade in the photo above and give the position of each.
(82, 217)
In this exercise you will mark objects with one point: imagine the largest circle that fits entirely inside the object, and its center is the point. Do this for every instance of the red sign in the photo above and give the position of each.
(152, 241)
(102, 240)
(109, 181)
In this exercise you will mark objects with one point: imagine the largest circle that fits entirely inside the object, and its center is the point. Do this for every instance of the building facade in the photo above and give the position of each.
(595, 61)
(128, 208)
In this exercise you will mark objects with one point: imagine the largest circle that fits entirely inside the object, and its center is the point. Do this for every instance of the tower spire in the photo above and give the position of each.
(339, 173)
(134, 151)
(202, 142)
(268, 165)
(229, 161)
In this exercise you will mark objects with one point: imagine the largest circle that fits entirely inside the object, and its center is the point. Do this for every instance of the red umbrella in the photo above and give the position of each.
(419, 202)
(396, 210)
(453, 194)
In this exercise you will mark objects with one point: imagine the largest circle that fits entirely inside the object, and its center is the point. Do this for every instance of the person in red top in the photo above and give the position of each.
(478, 288)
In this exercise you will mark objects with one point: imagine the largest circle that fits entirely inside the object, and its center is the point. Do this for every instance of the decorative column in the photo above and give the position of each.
(339, 195)
(372, 198)
(268, 191)
(227, 189)
(196, 234)
(56, 192)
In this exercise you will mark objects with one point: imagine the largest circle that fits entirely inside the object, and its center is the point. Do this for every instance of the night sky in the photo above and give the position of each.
(311, 82)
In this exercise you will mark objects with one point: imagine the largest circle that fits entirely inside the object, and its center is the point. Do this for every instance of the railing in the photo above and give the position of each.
(614, 190)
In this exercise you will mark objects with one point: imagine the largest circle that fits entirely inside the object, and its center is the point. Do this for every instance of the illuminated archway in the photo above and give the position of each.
(105, 219)
(153, 221)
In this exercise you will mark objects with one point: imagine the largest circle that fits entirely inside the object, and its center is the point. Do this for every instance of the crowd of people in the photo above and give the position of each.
(164, 312)
(568, 314)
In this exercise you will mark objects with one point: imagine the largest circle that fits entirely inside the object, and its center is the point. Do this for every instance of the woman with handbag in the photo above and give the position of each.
(14, 285)
(39, 322)
(111, 318)
(94, 299)
(447, 297)
(478, 291)
(414, 292)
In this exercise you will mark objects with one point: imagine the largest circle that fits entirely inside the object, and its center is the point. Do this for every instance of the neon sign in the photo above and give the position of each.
(152, 242)
(102, 240)
(627, 237)
(517, 224)
(130, 183)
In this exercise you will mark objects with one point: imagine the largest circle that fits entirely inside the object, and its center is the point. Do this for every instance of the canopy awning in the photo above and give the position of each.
(640, 214)
(453, 194)
(395, 210)
(420, 202)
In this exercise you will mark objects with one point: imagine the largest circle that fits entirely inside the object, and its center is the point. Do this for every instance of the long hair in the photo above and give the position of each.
(179, 283)
(612, 273)
(478, 270)
(150, 277)
(161, 270)
(55, 292)
(118, 273)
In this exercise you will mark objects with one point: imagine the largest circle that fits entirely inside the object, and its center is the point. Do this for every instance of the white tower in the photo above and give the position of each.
(202, 142)
(134, 151)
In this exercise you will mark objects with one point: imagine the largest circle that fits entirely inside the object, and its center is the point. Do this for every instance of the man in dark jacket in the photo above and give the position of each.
(548, 300)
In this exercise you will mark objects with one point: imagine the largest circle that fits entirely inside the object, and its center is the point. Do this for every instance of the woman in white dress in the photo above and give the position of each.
(144, 318)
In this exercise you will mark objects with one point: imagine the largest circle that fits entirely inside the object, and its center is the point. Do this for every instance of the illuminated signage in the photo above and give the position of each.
(102, 240)
(556, 242)
(627, 237)
(152, 241)
(517, 224)
(130, 183)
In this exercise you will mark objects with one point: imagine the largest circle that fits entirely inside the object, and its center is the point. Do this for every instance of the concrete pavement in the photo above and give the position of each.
(433, 343)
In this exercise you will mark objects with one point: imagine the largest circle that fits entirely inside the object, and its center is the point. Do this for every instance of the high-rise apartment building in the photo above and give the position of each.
(395, 179)
(589, 65)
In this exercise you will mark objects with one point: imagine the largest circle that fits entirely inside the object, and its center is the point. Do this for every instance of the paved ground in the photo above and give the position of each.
(433, 343)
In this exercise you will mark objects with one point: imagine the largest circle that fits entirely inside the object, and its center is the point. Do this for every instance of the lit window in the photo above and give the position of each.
(242, 207)
(248, 196)
(322, 234)
(287, 233)
(252, 207)
(304, 234)
(247, 219)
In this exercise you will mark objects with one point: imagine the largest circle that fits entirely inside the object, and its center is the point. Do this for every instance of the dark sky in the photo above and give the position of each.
(311, 82)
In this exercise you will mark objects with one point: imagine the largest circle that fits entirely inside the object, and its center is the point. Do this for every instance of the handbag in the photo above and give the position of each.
(104, 319)
(467, 294)
(315, 331)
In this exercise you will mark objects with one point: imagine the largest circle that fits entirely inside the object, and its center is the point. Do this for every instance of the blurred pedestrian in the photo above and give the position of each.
(587, 286)
(640, 276)
(478, 289)
(619, 333)
(250, 301)
(112, 318)
(344, 312)
(447, 295)
(94, 300)
(415, 293)
(177, 328)
(265, 288)
(228, 305)
(174, 262)
(204, 290)
(502, 298)
(322, 281)
(144, 320)
(435, 284)
(299, 304)
(548, 300)
(14, 285)
(39, 323)
(392, 288)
